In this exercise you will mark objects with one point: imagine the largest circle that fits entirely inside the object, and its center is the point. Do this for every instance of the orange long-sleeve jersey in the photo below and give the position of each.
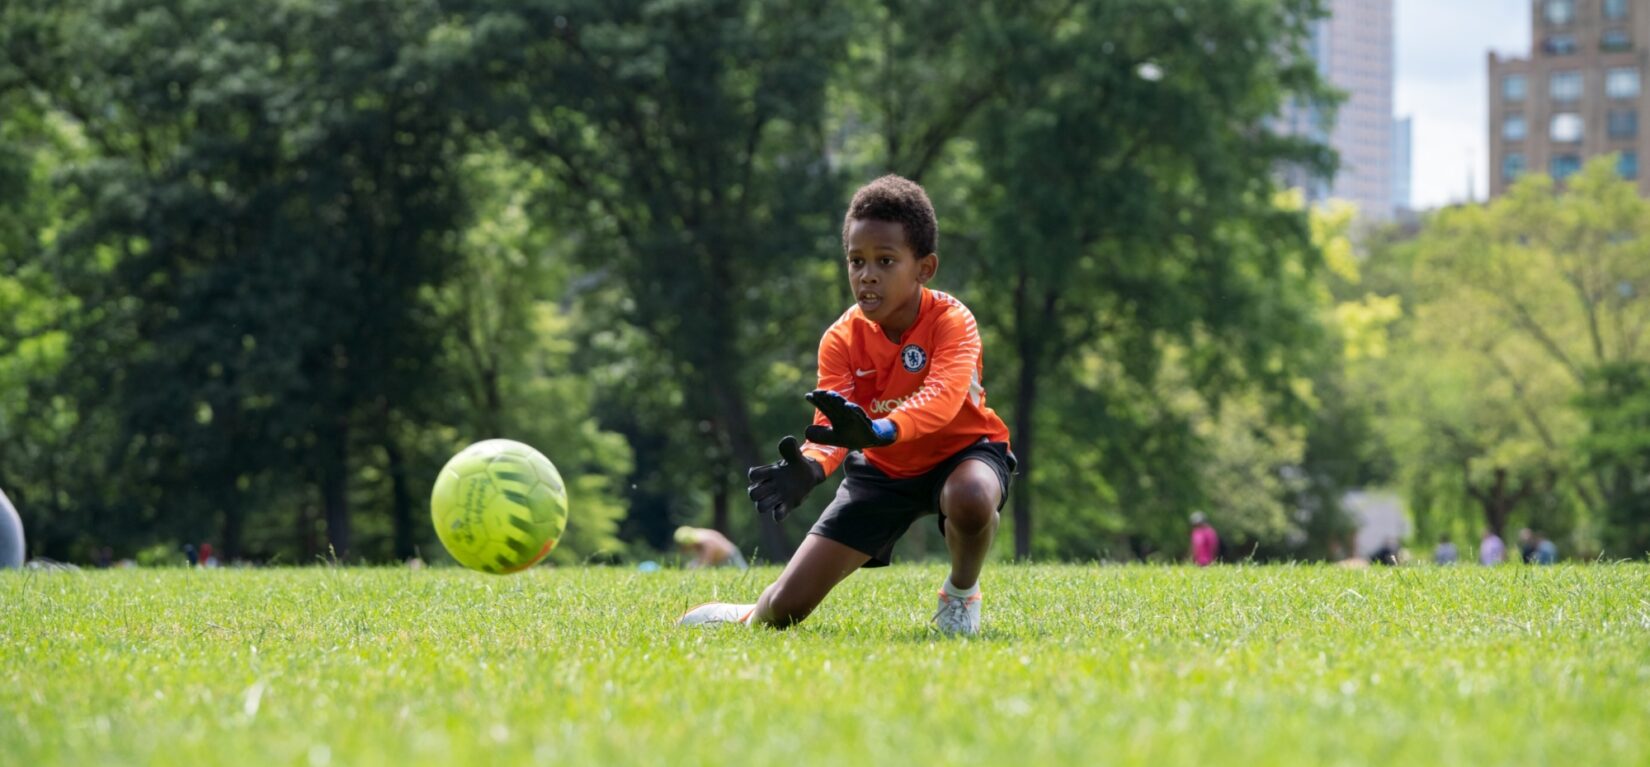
(927, 384)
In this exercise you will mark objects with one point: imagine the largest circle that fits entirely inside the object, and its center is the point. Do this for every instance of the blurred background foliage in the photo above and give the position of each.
(264, 267)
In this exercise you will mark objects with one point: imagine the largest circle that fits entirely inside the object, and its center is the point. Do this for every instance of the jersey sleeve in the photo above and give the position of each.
(953, 362)
(836, 373)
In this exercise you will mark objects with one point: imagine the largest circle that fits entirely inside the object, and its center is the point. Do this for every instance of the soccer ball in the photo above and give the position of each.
(499, 506)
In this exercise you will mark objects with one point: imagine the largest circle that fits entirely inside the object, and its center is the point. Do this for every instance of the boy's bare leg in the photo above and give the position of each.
(818, 566)
(969, 501)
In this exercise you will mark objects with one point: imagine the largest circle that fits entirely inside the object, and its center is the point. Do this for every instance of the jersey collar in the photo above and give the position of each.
(923, 303)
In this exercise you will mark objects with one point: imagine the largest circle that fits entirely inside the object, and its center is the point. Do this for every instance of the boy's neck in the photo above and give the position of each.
(895, 327)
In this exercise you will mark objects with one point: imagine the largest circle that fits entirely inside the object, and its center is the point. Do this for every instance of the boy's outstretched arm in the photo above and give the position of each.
(849, 426)
(779, 487)
(836, 374)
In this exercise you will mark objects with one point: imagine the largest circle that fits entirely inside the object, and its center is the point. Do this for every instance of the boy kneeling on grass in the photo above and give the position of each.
(901, 406)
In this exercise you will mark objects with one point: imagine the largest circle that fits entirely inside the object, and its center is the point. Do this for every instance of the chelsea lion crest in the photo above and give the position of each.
(913, 357)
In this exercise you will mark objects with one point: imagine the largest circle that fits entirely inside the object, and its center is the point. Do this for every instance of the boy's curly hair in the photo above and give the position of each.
(901, 201)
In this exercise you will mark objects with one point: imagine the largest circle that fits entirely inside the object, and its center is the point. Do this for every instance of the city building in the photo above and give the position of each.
(1401, 133)
(1578, 95)
(1354, 51)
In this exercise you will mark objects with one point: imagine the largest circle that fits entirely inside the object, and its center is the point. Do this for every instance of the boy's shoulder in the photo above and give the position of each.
(947, 311)
(846, 321)
(949, 303)
(938, 306)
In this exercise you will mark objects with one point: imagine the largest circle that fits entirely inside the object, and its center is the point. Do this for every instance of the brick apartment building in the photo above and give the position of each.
(1578, 95)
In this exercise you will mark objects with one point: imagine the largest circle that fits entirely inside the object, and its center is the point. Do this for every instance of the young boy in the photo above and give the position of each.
(901, 406)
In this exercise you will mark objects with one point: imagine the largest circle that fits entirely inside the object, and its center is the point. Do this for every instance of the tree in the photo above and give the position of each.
(1522, 301)
(265, 194)
(1616, 402)
(511, 353)
(917, 74)
(1120, 219)
(44, 440)
(686, 144)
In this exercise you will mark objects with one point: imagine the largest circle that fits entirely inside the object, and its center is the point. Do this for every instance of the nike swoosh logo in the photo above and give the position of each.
(863, 373)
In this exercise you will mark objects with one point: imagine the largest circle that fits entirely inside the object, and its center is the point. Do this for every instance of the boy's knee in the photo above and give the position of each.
(788, 605)
(970, 500)
(972, 519)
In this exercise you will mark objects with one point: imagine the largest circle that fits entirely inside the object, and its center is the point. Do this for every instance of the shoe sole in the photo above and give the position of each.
(684, 615)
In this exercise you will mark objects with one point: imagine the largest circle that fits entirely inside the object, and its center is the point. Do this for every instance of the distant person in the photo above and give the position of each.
(1205, 541)
(190, 554)
(1445, 553)
(901, 407)
(1546, 552)
(1490, 549)
(1526, 545)
(207, 560)
(1386, 554)
(708, 548)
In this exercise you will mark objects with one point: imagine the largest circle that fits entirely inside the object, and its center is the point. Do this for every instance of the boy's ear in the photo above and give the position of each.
(927, 266)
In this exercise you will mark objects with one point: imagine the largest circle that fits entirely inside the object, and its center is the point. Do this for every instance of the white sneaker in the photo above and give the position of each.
(958, 615)
(714, 613)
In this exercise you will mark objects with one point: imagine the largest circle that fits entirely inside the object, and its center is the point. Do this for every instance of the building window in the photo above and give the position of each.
(1512, 87)
(1621, 83)
(1564, 166)
(1512, 166)
(1560, 45)
(1512, 128)
(1560, 12)
(1615, 9)
(1627, 164)
(1565, 86)
(1615, 40)
(1623, 123)
(1565, 127)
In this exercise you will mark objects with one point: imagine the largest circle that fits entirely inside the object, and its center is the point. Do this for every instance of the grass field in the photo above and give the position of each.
(1077, 665)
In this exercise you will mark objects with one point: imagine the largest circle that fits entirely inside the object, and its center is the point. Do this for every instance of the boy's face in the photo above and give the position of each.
(885, 274)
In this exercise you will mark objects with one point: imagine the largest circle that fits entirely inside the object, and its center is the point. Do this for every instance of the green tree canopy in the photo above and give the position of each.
(1122, 219)
(1520, 305)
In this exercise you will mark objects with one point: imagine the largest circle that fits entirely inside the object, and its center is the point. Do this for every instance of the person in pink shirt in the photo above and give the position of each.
(1205, 542)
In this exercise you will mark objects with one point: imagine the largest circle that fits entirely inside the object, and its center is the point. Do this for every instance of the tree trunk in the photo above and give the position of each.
(1140, 546)
(719, 359)
(334, 492)
(1498, 501)
(233, 523)
(720, 499)
(308, 546)
(1028, 348)
(492, 406)
(401, 502)
(1495, 505)
(1025, 402)
(735, 421)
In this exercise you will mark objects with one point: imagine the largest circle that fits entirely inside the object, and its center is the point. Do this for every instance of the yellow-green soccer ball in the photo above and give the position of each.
(499, 506)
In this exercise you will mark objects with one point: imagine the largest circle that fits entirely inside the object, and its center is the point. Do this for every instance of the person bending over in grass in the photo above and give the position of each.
(708, 548)
(899, 406)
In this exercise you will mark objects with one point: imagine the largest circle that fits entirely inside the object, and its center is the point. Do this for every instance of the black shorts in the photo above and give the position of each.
(872, 510)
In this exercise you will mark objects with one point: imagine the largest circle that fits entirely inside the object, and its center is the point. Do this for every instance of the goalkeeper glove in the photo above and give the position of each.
(850, 427)
(778, 488)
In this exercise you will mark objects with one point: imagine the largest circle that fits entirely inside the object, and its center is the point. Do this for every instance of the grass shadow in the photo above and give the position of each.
(920, 634)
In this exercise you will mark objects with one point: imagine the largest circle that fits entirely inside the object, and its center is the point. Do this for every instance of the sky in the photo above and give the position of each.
(1442, 67)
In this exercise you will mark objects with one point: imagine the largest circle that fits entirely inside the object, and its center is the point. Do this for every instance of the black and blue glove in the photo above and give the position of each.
(850, 426)
(779, 487)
